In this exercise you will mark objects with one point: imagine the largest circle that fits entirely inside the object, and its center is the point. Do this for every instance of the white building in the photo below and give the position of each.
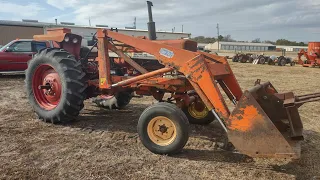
(293, 48)
(27, 28)
(87, 32)
(241, 46)
(202, 46)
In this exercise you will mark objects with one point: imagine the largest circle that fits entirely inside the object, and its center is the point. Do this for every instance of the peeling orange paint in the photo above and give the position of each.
(245, 120)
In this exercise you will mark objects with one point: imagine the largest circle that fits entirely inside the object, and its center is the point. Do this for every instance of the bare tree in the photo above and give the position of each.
(257, 40)
(228, 38)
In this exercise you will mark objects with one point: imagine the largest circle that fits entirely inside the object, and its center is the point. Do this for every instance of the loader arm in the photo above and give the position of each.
(264, 123)
(201, 69)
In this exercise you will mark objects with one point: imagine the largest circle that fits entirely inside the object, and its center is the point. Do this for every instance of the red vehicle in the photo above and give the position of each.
(15, 55)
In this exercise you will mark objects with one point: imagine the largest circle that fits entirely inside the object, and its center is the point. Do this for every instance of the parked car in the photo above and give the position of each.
(15, 55)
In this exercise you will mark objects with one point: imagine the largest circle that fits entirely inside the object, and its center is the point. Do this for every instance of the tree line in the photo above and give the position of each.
(202, 39)
(228, 38)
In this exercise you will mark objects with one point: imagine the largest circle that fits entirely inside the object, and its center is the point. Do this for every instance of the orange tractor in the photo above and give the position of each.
(264, 123)
(312, 56)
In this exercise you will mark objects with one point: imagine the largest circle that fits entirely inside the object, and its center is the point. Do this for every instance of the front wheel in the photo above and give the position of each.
(55, 85)
(163, 128)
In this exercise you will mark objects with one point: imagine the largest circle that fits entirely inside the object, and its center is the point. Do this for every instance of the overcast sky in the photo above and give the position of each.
(243, 19)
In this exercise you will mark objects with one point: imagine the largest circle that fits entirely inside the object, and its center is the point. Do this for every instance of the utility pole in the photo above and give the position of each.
(182, 27)
(89, 21)
(218, 37)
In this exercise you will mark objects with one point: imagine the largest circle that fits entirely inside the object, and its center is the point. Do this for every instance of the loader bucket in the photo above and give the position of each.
(266, 123)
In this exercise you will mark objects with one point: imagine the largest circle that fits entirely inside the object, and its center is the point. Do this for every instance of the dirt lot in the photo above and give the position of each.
(103, 144)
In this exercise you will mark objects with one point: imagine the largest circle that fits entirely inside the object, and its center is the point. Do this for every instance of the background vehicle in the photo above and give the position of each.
(15, 55)
(243, 58)
(312, 55)
(282, 61)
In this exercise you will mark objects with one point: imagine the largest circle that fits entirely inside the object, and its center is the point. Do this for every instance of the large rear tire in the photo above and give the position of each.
(163, 128)
(55, 85)
(197, 113)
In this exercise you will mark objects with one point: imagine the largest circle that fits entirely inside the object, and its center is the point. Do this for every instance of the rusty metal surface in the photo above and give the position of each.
(314, 47)
(58, 35)
(180, 43)
(312, 55)
(300, 100)
(253, 133)
(142, 77)
(218, 70)
(264, 123)
(54, 34)
(187, 63)
(103, 60)
(127, 58)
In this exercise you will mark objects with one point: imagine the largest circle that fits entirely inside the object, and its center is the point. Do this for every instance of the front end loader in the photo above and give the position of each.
(263, 123)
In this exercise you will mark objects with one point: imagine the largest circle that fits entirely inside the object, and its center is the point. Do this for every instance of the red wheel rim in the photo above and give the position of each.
(46, 86)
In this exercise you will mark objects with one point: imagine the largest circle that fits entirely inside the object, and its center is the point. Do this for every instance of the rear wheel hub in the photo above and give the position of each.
(198, 110)
(47, 87)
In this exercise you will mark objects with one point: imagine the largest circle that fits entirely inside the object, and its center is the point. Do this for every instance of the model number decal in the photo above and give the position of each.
(166, 53)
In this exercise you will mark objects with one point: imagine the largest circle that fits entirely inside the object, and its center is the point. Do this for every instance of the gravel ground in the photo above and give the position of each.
(103, 144)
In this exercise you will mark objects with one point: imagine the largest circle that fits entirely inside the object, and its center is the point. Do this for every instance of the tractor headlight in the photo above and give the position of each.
(75, 40)
(66, 39)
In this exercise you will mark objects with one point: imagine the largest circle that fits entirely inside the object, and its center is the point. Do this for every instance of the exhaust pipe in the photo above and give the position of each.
(151, 24)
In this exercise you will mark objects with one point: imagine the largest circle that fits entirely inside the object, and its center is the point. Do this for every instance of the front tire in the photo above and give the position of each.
(163, 128)
(55, 85)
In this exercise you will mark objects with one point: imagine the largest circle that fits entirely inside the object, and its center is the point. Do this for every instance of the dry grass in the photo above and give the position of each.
(104, 144)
